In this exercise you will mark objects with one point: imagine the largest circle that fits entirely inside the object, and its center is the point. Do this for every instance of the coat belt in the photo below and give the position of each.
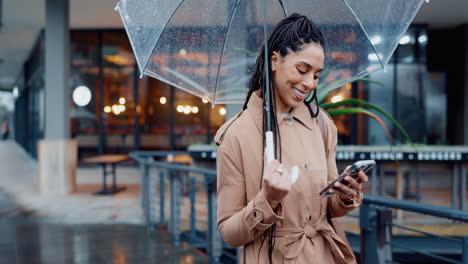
(293, 240)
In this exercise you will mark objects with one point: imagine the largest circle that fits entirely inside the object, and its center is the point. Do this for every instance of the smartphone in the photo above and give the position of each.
(364, 165)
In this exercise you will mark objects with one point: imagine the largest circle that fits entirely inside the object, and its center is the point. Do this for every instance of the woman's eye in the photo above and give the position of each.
(316, 77)
(301, 71)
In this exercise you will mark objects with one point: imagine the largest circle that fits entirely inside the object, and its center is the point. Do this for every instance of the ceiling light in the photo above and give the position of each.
(81, 96)
(121, 100)
(376, 40)
(204, 100)
(107, 109)
(195, 109)
(180, 108)
(422, 39)
(405, 40)
(162, 100)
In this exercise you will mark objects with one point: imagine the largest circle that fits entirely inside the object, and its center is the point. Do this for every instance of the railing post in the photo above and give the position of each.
(161, 197)
(175, 194)
(465, 250)
(151, 194)
(215, 244)
(384, 236)
(144, 172)
(367, 222)
(193, 219)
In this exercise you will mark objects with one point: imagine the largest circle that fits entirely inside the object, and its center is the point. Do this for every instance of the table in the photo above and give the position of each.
(105, 161)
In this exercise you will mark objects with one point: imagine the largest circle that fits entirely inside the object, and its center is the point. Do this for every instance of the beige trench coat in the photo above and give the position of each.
(303, 234)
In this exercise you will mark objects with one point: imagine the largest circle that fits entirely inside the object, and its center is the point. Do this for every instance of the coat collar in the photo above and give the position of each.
(300, 113)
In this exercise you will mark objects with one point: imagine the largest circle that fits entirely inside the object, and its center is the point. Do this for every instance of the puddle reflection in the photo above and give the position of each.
(31, 242)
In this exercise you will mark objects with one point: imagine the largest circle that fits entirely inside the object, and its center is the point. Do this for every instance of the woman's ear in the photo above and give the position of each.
(274, 60)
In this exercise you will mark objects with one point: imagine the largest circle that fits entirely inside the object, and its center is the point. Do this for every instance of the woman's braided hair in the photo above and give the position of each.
(290, 34)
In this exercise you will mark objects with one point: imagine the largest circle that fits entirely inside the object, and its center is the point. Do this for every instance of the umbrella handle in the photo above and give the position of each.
(270, 153)
(270, 149)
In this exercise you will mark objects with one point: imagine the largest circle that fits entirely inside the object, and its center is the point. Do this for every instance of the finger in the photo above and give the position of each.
(363, 177)
(286, 178)
(352, 183)
(345, 189)
(341, 194)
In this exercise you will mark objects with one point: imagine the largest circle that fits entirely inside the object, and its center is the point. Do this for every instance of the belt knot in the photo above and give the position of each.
(310, 231)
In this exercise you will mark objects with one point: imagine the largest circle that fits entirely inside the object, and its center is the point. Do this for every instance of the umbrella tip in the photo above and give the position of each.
(141, 75)
(117, 6)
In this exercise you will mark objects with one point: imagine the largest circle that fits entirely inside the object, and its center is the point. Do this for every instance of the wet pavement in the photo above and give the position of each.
(30, 241)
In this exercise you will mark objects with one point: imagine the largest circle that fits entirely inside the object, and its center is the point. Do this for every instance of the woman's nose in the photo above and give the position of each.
(310, 83)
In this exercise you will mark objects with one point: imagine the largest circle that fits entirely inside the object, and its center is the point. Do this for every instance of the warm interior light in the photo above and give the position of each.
(122, 108)
(116, 109)
(118, 59)
(180, 108)
(183, 52)
(81, 96)
(121, 100)
(163, 100)
(222, 111)
(195, 109)
(107, 109)
(337, 98)
(348, 86)
(204, 100)
(187, 109)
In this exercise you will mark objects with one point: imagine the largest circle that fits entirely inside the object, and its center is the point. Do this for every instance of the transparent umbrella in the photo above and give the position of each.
(208, 48)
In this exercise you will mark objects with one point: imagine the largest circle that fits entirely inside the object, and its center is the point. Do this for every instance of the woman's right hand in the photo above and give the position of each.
(276, 182)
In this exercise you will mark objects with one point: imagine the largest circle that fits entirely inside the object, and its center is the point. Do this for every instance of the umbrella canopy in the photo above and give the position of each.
(208, 48)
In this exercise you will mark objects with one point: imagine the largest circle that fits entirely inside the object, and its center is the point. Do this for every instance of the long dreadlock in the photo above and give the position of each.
(290, 34)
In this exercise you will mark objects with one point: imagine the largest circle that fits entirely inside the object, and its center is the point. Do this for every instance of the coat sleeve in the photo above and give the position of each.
(240, 221)
(336, 207)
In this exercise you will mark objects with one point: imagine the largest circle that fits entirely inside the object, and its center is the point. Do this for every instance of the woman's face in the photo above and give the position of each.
(296, 75)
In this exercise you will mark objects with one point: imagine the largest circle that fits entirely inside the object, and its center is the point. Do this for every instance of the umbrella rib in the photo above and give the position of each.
(223, 49)
(285, 12)
(365, 32)
(164, 28)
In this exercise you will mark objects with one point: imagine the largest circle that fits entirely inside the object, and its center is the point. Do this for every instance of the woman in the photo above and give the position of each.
(258, 207)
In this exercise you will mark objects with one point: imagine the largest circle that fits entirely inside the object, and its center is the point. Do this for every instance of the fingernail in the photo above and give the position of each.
(337, 184)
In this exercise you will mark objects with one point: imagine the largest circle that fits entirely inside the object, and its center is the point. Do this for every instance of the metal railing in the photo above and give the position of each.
(376, 223)
(375, 216)
(153, 174)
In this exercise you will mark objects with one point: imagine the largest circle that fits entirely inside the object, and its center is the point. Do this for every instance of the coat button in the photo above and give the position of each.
(309, 218)
(257, 215)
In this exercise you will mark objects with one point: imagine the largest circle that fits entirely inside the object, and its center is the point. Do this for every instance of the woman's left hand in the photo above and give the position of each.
(353, 187)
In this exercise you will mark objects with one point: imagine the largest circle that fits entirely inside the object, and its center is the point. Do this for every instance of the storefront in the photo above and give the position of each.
(113, 110)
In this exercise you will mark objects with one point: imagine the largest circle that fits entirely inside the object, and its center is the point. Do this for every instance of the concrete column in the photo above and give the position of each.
(57, 153)
(465, 88)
